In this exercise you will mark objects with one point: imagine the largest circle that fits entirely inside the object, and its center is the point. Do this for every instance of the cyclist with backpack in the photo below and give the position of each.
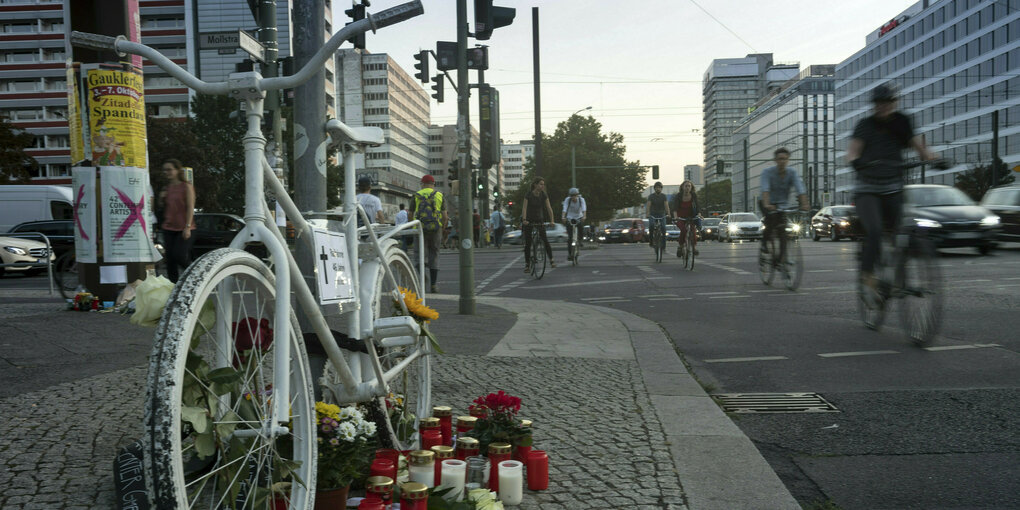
(430, 210)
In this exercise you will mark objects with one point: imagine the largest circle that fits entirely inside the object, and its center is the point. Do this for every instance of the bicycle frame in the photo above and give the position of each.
(397, 331)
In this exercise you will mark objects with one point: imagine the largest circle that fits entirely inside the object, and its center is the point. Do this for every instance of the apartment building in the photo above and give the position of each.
(514, 155)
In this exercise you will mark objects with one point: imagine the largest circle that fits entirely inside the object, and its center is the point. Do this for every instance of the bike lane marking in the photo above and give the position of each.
(481, 285)
(742, 360)
(855, 353)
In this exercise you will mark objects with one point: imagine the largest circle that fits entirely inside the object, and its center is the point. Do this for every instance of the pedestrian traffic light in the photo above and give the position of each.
(489, 17)
(437, 86)
(510, 203)
(655, 172)
(357, 12)
(422, 66)
(720, 167)
(495, 192)
(453, 171)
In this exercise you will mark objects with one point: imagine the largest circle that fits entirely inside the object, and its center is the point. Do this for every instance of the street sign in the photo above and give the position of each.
(1016, 168)
(232, 40)
(252, 46)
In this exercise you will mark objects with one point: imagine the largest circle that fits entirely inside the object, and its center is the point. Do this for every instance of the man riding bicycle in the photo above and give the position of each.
(776, 182)
(575, 210)
(656, 210)
(875, 151)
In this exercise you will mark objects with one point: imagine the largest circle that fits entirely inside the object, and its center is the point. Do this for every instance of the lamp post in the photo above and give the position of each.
(573, 164)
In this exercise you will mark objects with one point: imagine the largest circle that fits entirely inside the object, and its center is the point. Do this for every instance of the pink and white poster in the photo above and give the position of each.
(127, 215)
(83, 192)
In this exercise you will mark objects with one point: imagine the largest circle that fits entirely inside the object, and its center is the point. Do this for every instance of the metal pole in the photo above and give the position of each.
(309, 121)
(268, 37)
(538, 92)
(483, 173)
(995, 149)
(573, 167)
(467, 257)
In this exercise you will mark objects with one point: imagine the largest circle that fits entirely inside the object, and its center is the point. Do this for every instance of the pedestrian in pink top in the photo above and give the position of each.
(178, 201)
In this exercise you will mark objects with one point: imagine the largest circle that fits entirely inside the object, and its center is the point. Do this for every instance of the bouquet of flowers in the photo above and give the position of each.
(346, 443)
(500, 424)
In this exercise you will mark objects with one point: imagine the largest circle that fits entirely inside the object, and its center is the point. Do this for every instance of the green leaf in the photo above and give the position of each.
(224, 430)
(225, 375)
(197, 417)
(205, 445)
(432, 339)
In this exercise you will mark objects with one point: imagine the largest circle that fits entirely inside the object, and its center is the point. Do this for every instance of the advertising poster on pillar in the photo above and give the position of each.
(127, 215)
(83, 192)
(116, 106)
(74, 121)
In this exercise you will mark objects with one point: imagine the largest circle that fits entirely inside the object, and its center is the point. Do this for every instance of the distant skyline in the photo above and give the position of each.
(638, 64)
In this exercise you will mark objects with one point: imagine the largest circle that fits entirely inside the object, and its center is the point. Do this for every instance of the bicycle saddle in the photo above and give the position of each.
(365, 135)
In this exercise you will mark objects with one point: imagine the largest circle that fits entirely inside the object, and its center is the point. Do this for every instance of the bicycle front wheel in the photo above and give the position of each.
(689, 251)
(766, 269)
(211, 435)
(657, 241)
(920, 287)
(65, 275)
(538, 258)
(793, 271)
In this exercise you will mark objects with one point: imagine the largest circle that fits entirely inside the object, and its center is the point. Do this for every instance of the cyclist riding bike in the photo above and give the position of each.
(685, 206)
(656, 210)
(875, 151)
(575, 210)
(776, 182)
(536, 213)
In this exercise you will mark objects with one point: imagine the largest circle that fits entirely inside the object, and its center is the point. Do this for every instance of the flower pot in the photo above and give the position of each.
(331, 499)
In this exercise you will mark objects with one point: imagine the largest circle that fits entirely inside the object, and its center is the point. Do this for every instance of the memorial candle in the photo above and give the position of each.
(421, 467)
(442, 453)
(445, 415)
(498, 452)
(454, 474)
(511, 482)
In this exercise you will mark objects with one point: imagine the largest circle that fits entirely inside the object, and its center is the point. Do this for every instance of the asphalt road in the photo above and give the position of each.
(915, 428)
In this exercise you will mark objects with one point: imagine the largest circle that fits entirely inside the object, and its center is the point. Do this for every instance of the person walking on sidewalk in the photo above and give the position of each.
(369, 202)
(536, 207)
(178, 203)
(476, 225)
(685, 205)
(575, 210)
(498, 223)
(398, 220)
(430, 210)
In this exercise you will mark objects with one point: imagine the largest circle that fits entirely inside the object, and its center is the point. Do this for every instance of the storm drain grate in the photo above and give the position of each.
(773, 403)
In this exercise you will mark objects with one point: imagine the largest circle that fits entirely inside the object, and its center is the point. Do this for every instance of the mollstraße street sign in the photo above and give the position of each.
(231, 40)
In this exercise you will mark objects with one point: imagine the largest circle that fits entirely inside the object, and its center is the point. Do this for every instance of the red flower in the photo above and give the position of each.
(500, 403)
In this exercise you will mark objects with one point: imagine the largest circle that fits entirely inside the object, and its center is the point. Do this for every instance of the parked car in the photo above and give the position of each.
(951, 217)
(624, 230)
(214, 230)
(34, 202)
(23, 252)
(59, 232)
(737, 226)
(836, 222)
(1005, 202)
(555, 234)
(710, 228)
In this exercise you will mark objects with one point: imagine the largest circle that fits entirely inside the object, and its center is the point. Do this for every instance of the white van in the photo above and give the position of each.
(33, 202)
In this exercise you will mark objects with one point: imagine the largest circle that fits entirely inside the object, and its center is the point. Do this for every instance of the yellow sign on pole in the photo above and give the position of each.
(74, 116)
(1016, 168)
(116, 105)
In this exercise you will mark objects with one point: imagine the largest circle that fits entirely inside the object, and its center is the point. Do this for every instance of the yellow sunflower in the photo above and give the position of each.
(416, 307)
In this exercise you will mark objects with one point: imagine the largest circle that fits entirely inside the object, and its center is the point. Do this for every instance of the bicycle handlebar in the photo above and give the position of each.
(940, 163)
(372, 22)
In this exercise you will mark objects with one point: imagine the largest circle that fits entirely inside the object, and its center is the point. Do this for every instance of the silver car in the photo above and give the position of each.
(740, 225)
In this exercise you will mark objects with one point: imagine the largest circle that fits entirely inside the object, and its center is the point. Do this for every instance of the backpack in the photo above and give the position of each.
(427, 213)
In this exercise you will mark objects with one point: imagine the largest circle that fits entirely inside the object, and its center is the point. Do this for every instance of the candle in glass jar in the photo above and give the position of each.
(442, 453)
(430, 438)
(538, 471)
(383, 467)
(445, 415)
(511, 482)
(466, 447)
(379, 488)
(478, 412)
(371, 504)
(421, 467)
(477, 472)
(465, 424)
(388, 453)
(524, 451)
(498, 452)
(454, 474)
(414, 496)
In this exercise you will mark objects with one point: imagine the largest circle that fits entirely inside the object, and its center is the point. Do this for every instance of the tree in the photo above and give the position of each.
(15, 164)
(605, 189)
(978, 179)
(716, 197)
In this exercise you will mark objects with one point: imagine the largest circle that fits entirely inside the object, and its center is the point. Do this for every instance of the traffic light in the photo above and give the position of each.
(452, 173)
(489, 17)
(475, 185)
(422, 66)
(655, 172)
(437, 86)
(510, 203)
(488, 126)
(357, 12)
(720, 167)
(495, 192)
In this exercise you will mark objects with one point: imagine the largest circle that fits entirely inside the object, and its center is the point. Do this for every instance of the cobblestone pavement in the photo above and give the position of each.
(606, 448)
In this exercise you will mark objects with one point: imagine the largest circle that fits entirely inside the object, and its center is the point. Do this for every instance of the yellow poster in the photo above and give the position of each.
(74, 116)
(116, 118)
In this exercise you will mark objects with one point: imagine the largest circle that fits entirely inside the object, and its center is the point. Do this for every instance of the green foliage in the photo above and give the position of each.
(345, 445)
(438, 501)
(15, 164)
(605, 189)
(977, 180)
(716, 197)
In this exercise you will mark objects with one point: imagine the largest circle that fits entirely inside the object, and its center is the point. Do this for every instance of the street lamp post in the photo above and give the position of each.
(573, 163)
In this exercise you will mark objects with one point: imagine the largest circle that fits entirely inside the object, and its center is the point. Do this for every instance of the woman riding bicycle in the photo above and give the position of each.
(685, 207)
(536, 206)
(875, 150)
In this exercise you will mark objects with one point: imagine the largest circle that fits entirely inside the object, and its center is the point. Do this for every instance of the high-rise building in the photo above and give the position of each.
(695, 174)
(731, 86)
(799, 117)
(374, 91)
(443, 154)
(956, 61)
(514, 155)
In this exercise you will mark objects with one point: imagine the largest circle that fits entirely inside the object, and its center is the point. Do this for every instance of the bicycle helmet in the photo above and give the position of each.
(888, 91)
(574, 191)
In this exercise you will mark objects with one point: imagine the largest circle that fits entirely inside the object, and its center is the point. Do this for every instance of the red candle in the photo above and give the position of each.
(371, 504)
(465, 424)
(524, 451)
(445, 415)
(479, 412)
(379, 488)
(538, 471)
(466, 447)
(414, 496)
(498, 452)
(388, 453)
(442, 453)
(430, 438)
(383, 467)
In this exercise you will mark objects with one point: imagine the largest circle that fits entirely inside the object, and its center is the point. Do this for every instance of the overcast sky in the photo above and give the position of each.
(637, 63)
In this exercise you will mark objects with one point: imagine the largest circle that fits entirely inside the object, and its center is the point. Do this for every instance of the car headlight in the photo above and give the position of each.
(625, 231)
(844, 223)
(926, 223)
(734, 228)
(15, 250)
(990, 221)
(795, 227)
(708, 231)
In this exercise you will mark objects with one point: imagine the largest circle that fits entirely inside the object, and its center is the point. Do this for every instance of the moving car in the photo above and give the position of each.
(836, 222)
(672, 232)
(23, 253)
(555, 234)
(1005, 202)
(59, 232)
(624, 230)
(710, 228)
(736, 226)
(951, 218)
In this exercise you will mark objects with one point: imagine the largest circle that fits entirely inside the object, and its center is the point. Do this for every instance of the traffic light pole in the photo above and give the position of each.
(467, 259)
(483, 173)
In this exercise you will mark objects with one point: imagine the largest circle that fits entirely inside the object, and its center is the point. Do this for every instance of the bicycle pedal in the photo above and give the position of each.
(388, 327)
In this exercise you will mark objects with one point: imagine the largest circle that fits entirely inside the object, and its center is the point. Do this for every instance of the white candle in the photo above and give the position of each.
(511, 482)
(452, 475)
(422, 474)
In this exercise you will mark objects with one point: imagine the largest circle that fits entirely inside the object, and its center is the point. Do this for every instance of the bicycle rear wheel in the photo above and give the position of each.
(210, 395)
(65, 275)
(794, 264)
(689, 250)
(657, 243)
(919, 285)
(538, 258)
(766, 269)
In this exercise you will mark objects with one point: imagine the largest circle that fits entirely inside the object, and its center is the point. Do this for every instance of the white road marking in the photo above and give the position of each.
(579, 284)
(597, 298)
(607, 301)
(854, 353)
(959, 347)
(728, 297)
(657, 295)
(979, 280)
(820, 270)
(671, 299)
(741, 360)
(731, 269)
(1012, 278)
(481, 285)
(715, 293)
(769, 290)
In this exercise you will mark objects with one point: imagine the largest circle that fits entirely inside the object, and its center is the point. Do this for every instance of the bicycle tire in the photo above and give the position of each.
(794, 264)
(766, 268)
(920, 292)
(538, 257)
(65, 275)
(232, 284)
(657, 243)
(689, 257)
